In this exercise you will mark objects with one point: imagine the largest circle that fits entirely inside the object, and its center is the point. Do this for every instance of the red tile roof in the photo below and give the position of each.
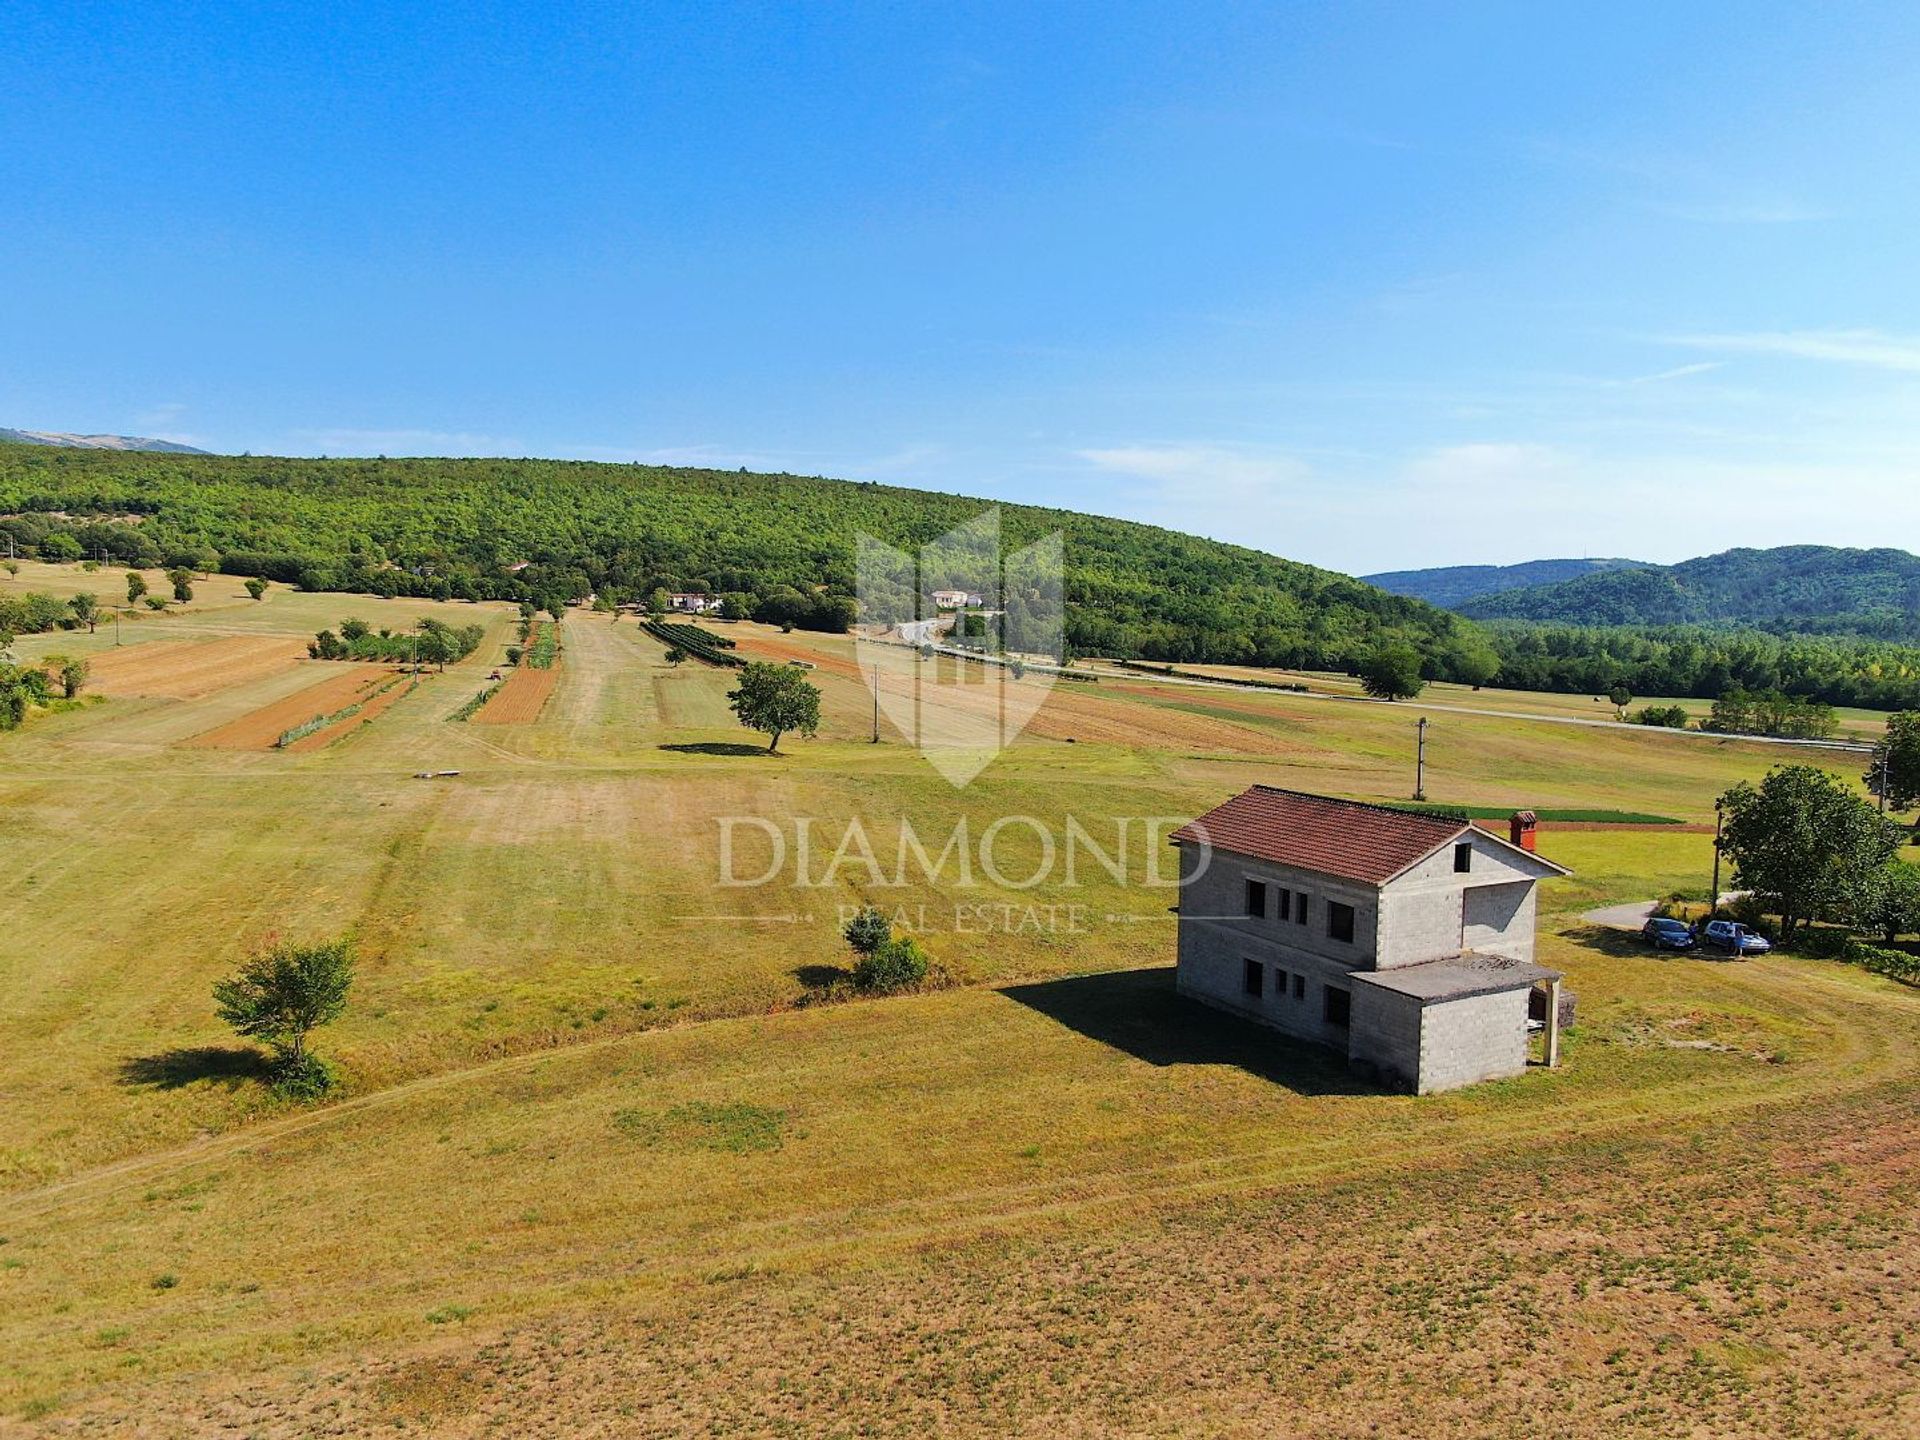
(1345, 838)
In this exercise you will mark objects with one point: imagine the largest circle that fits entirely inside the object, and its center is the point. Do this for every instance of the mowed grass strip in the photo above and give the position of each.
(259, 729)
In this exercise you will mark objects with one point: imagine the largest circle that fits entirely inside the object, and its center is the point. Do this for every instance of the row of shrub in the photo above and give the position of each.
(472, 706)
(701, 644)
(432, 643)
(314, 726)
(545, 648)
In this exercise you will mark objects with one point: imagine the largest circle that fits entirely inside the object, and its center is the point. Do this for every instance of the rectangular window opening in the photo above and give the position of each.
(1286, 904)
(1256, 899)
(1339, 922)
(1255, 977)
(1339, 1009)
(1462, 858)
(1299, 987)
(1300, 907)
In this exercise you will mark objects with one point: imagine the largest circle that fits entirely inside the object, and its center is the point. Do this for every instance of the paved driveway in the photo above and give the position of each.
(1621, 917)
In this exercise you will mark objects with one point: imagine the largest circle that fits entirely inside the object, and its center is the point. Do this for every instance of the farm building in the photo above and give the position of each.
(1403, 940)
(695, 604)
(957, 599)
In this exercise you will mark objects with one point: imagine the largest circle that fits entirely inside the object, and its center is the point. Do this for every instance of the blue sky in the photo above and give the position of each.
(1366, 285)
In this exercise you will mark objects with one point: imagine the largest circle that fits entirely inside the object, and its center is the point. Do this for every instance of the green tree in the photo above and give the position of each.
(60, 548)
(1896, 762)
(675, 655)
(256, 587)
(774, 699)
(352, 630)
(1805, 845)
(182, 579)
(657, 601)
(1620, 697)
(868, 930)
(1890, 905)
(895, 964)
(70, 671)
(86, 609)
(1392, 672)
(284, 994)
(136, 586)
(1666, 717)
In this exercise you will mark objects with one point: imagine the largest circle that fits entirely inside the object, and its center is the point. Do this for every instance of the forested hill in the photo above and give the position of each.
(455, 527)
(1453, 585)
(1805, 589)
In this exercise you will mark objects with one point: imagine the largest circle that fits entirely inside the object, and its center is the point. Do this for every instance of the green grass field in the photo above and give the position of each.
(597, 1162)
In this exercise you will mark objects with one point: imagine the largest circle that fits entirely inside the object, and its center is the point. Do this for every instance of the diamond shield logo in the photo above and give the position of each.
(961, 645)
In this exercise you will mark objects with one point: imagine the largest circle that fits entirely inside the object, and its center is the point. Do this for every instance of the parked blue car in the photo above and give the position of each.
(1665, 934)
(1736, 939)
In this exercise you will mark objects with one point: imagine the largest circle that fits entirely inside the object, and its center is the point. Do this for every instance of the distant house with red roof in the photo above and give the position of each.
(1405, 940)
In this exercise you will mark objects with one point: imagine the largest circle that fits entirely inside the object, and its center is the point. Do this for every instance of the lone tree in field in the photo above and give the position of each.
(1392, 672)
(1806, 846)
(1895, 770)
(283, 995)
(256, 587)
(675, 655)
(70, 671)
(1620, 696)
(868, 930)
(136, 586)
(86, 609)
(774, 699)
(182, 584)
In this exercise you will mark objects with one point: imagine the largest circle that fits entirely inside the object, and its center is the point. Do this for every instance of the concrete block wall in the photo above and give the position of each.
(1212, 968)
(1219, 894)
(1385, 1042)
(1479, 1037)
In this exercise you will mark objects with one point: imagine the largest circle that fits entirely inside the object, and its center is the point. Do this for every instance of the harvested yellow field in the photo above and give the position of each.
(190, 669)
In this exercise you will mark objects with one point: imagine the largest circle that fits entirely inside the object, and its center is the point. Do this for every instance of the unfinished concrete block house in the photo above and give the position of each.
(1402, 940)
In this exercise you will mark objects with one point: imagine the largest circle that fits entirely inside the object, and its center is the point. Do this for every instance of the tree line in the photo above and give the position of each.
(784, 545)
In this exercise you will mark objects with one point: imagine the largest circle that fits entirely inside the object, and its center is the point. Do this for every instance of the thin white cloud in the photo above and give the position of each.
(1213, 490)
(1846, 347)
(1784, 212)
(1678, 372)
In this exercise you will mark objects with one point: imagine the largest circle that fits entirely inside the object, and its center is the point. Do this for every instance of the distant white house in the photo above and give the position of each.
(957, 599)
(694, 604)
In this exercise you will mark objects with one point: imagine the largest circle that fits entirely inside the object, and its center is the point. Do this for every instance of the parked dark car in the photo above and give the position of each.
(1665, 934)
(1736, 939)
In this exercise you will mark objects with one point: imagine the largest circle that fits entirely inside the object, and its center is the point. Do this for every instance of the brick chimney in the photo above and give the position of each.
(1522, 828)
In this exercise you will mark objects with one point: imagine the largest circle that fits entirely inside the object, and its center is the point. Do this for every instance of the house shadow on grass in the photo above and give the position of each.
(1140, 1013)
(820, 977)
(228, 1065)
(716, 747)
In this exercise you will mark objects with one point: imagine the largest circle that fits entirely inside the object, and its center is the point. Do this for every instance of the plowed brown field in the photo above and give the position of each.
(258, 729)
(190, 669)
(370, 710)
(521, 699)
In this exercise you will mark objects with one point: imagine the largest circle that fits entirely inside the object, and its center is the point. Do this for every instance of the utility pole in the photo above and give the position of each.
(1713, 900)
(876, 704)
(1420, 763)
(1881, 787)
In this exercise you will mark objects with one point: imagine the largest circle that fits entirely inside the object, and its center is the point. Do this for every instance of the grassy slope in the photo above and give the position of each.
(537, 967)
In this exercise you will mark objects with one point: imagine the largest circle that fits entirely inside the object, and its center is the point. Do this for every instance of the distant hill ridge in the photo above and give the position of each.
(1453, 585)
(68, 441)
(1805, 589)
